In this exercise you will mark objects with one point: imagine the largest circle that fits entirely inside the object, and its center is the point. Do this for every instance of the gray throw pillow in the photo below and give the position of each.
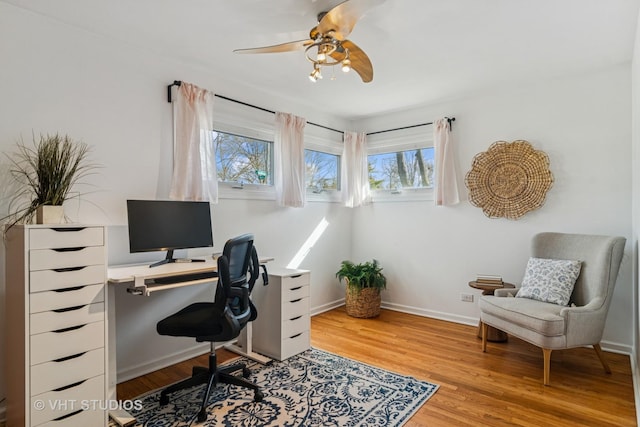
(549, 280)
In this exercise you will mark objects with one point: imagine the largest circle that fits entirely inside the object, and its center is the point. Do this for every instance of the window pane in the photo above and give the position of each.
(321, 170)
(242, 159)
(404, 169)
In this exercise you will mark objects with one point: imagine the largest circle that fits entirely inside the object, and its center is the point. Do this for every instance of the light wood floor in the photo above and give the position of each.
(502, 387)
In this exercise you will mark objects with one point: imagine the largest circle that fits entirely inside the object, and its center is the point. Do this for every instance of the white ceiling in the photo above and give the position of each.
(423, 51)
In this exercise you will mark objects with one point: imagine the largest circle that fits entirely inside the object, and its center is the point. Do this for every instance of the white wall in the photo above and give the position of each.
(635, 198)
(57, 78)
(430, 253)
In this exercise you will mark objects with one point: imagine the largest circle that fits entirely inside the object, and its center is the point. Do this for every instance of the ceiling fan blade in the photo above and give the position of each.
(359, 60)
(278, 48)
(340, 20)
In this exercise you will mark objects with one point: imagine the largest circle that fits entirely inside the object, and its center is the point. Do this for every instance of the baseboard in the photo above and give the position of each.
(162, 362)
(614, 347)
(326, 307)
(455, 318)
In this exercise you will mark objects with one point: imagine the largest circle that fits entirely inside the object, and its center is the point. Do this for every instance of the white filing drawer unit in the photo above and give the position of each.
(56, 325)
(282, 328)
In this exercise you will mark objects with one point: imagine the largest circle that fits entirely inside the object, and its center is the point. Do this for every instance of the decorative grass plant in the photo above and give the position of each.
(45, 173)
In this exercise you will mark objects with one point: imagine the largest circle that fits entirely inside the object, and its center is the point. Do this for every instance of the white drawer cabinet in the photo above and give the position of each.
(283, 324)
(56, 309)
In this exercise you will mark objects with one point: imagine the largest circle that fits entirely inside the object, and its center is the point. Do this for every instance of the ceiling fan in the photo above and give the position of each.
(327, 45)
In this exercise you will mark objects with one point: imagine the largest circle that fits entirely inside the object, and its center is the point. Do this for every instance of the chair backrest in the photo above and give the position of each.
(232, 292)
(600, 256)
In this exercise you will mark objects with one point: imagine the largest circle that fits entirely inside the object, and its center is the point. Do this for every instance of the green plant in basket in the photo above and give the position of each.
(364, 283)
(363, 275)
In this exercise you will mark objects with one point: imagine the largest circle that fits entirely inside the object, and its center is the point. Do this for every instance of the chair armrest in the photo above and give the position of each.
(593, 306)
(585, 325)
(504, 292)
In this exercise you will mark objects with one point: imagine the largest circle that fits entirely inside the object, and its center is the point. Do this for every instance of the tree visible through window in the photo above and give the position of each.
(321, 171)
(402, 169)
(243, 159)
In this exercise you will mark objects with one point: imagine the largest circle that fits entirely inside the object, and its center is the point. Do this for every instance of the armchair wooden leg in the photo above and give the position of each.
(605, 365)
(485, 330)
(546, 352)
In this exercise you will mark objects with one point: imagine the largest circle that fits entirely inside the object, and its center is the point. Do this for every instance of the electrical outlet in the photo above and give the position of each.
(466, 297)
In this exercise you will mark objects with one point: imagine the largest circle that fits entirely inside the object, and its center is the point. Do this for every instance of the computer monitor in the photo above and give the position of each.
(166, 225)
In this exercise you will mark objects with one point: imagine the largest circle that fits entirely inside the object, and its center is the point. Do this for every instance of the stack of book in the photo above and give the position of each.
(489, 280)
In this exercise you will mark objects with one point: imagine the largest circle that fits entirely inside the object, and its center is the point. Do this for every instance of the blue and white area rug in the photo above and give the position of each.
(314, 388)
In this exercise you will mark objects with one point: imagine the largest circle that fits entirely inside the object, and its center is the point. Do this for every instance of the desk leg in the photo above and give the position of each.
(112, 379)
(244, 348)
(121, 416)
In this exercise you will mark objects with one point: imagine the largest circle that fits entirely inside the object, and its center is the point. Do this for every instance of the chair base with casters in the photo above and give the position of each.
(211, 376)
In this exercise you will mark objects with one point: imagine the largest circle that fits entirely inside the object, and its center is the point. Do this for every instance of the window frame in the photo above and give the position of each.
(393, 142)
(232, 190)
(316, 143)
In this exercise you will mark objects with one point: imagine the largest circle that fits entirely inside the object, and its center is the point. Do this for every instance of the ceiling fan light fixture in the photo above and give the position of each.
(346, 65)
(315, 74)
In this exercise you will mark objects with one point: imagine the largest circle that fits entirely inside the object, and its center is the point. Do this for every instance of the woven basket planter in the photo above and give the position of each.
(363, 302)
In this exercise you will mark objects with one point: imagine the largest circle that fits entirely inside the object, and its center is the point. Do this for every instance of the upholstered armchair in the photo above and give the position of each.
(549, 313)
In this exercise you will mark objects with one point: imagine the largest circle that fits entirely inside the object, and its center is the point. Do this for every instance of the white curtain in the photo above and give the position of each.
(194, 163)
(289, 160)
(355, 170)
(446, 185)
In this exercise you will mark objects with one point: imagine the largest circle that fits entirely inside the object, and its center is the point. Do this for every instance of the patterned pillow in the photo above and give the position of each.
(549, 280)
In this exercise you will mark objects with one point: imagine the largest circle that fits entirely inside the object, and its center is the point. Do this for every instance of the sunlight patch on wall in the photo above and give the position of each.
(308, 244)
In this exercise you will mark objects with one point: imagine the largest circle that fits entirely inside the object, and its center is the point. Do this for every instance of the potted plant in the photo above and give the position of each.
(44, 175)
(364, 282)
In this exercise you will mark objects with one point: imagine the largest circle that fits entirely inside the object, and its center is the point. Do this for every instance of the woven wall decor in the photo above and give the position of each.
(509, 179)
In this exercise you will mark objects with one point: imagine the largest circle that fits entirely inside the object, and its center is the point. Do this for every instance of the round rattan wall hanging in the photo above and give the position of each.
(509, 179)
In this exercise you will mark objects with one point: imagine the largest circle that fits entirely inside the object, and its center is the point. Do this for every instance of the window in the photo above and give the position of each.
(410, 169)
(322, 171)
(245, 160)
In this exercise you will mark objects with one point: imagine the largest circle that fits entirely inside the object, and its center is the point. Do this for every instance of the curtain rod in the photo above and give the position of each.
(449, 119)
(178, 83)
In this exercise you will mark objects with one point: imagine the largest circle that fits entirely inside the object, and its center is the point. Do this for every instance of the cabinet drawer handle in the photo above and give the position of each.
(73, 356)
(296, 288)
(296, 300)
(64, 270)
(75, 288)
(76, 249)
(296, 276)
(67, 229)
(67, 416)
(66, 387)
(295, 336)
(295, 318)
(64, 310)
(71, 328)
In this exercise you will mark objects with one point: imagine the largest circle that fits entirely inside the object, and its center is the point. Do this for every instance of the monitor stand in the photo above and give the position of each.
(170, 259)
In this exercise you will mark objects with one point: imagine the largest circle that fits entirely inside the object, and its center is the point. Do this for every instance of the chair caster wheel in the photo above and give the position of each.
(246, 372)
(164, 399)
(202, 416)
(258, 396)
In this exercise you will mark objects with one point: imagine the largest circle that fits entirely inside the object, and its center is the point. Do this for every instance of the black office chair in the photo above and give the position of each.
(221, 320)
